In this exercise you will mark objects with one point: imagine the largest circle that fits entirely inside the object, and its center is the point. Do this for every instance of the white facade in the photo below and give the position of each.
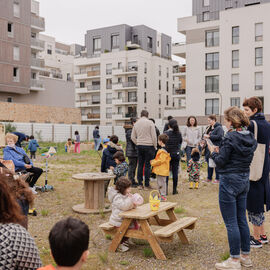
(238, 73)
(115, 86)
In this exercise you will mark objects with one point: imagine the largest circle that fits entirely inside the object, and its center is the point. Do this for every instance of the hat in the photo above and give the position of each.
(106, 140)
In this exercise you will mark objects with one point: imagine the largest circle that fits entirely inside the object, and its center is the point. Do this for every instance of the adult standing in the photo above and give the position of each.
(144, 136)
(157, 130)
(96, 137)
(233, 160)
(173, 147)
(131, 153)
(259, 192)
(215, 133)
(166, 127)
(191, 135)
(21, 137)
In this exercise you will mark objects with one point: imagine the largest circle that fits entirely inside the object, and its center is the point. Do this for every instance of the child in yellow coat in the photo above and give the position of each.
(161, 165)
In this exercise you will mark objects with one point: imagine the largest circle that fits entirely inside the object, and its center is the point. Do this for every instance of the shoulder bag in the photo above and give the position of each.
(26, 159)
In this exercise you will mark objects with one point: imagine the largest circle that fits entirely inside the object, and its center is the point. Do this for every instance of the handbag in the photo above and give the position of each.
(212, 163)
(26, 159)
(256, 167)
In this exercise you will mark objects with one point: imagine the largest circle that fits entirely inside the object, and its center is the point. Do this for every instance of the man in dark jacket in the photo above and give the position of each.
(96, 137)
(166, 127)
(21, 137)
(131, 153)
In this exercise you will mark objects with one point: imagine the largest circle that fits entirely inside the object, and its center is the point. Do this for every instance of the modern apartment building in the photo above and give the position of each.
(227, 56)
(123, 70)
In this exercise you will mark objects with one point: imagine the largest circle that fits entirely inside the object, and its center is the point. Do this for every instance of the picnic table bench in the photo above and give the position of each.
(145, 217)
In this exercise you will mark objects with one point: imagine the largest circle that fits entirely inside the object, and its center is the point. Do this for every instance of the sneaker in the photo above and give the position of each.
(228, 264)
(123, 247)
(163, 198)
(255, 243)
(140, 187)
(264, 239)
(246, 261)
(33, 189)
(216, 181)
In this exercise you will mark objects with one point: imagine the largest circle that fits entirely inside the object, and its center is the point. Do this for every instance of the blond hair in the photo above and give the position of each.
(236, 117)
(11, 136)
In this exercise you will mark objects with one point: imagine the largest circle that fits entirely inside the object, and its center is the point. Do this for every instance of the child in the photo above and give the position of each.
(69, 240)
(32, 147)
(77, 142)
(68, 145)
(161, 165)
(121, 200)
(121, 168)
(193, 169)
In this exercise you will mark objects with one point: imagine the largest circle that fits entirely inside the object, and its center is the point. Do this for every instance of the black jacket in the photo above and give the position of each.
(235, 153)
(166, 127)
(217, 134)
(96, 134)
(174, 143)
(131, 148)
(107, 157)
(21, 138)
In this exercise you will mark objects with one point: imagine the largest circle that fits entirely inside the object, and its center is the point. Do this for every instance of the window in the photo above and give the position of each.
(145, 97)
(235, 59)
(82, 84)
(235, 101)
(49, 49)
(119, 95)
(228, 4)
(108, 69)
(109, 113)
(258, 56)
(235, 82)
(145, 83)
(168, 49)
(167, 72)
(68, 77)
(95, 99)
(145, 68)
(135, 39)
(149, 42)
(212, 38)
(235, 35)
(212, 106)
(258, 32)
(16, 53)
(212, 61)
(115, 41)
(16, 9)
(167, 100)
(119, 80)
(108, 83)
(167, 86)
(159, 99)
(258, 80)
(206, 16)
(159, 85)
(97, 44)
(16, 75)
(10, 29)
(206, 3)
(211, 84)
(159, 113)
(119, 65)
(9, 99)
(132, 97)
(109, 98)
(133, 66)
(159, 70)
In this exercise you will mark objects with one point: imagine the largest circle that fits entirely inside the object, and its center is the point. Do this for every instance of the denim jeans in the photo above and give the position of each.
(210, 172)
(133, 161)
(145, 155)
(97, 143)
(188, 153)
(174, 165)
(233, 191)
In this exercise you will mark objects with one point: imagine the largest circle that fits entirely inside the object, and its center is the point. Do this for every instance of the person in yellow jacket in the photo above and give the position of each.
(161, 165)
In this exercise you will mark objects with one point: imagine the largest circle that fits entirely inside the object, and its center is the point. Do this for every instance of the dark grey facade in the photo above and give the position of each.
(117, 37)
(215, 6)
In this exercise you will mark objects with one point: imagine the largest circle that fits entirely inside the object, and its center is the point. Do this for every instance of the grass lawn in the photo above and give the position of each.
(208, 242)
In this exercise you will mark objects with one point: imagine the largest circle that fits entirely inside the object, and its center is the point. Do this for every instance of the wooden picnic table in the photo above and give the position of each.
(93, 192)
(145, 217)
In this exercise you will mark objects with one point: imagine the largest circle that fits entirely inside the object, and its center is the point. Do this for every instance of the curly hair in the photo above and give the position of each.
(12, 137)
(120, 156)
(188, 121)
(122, 184)
(237, 117)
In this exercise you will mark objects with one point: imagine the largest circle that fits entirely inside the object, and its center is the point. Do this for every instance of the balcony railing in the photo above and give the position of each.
(93, 87)
(37, 43)
(212, 16)
(93, 102)
(57, 76)
(130, 84)
(93, 73)
(38, 22)
(179, 91)
(109, 86)
(93, 115)
(181, 69)
(36, 62)
(36, 83)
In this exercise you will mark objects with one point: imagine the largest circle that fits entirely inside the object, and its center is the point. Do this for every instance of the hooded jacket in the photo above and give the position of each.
(235, 153)
(107, 157)
(33, 145)
(131, 149)
(120, 203)
(161, 164)
(217, 134)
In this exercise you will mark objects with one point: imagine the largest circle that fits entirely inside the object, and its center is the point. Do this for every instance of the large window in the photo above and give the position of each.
(206, 16)
(97, 44)
(16, 74)
(212, 106)
(258, 56)
(109, 113)
(16, 53)
(258, 80)
(212, 61)
(108, 69)
(235, 101)
(115, 41)
(235, 35)
(149, 42)
(16, 9)
(235, 82)
(212, 38)
(258, 32)
(206, 3)
(235, 59)
(10, 29)
(109, 98)
(145, 97)
(211, 84)
(159, 70)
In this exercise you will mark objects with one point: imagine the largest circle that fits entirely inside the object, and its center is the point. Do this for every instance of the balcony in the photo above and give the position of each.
(123, 116)
(87, 103)
(179, 71)
(93, 87)
(179, 91)
(93, 74)
(125, 85)
(133, 44)
(37, 44)
(179, 49)
(125, 71)
(37, 85)
(91, 116)
(125, 101)
(37, 64)
(38, 23)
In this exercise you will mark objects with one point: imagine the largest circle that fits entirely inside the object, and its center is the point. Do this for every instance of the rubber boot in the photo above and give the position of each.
(197, 185)
(191, 186)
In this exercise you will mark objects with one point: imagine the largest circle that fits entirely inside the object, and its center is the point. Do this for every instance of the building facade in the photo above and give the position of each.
(123, 70)
(227, 59)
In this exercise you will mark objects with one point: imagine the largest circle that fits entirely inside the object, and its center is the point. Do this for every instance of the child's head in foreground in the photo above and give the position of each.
(163, 139)
(119, 157)
(69, 240)
(123, 185)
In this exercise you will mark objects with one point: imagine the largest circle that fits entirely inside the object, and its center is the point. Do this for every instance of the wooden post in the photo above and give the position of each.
(52, 133)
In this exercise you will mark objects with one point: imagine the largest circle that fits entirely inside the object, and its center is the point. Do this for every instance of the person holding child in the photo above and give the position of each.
(161, 166)
(121, 168)
(194, 168)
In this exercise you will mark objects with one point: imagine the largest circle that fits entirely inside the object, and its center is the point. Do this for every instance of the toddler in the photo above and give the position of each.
(121, 168)
(68, 145)
(194, 167)
(32, 147)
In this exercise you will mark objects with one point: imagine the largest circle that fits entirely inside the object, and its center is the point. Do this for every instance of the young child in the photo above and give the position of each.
(69, 240)
(194, 167)
(77, 142)
(32, 147)
(121, 168)
(68, 145)
(161, 165)
(121, 200)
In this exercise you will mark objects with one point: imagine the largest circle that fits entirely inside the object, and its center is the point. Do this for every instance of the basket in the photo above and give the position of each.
(154, 200)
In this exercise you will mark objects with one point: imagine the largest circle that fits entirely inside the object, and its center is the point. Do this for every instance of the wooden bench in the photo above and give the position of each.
(166, 233)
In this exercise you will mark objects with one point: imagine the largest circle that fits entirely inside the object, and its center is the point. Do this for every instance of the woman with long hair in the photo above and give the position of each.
(173, 147)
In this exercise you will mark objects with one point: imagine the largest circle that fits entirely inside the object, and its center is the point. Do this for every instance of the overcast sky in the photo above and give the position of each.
(68, 20)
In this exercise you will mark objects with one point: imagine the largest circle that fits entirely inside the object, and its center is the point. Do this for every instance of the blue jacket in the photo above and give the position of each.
(107, 157)
(33, 145)
(235, 153)
(259, 191)
(21, 138)
(17, 159)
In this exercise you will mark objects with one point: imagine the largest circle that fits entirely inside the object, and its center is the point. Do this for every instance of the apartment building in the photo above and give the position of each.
(123, 70)
(227, 56)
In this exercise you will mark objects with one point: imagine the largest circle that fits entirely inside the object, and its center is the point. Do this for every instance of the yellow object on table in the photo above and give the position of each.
(154, 200)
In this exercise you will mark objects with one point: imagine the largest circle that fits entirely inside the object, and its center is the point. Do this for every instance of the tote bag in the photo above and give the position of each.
(256, 167)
